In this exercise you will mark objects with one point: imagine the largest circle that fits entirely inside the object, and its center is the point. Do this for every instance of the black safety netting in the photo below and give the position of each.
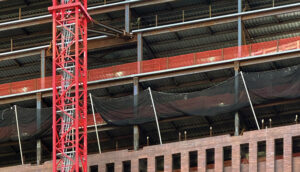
(228, 96)
(222, 98)
(30, 127)
(122, 111)
(273, 85)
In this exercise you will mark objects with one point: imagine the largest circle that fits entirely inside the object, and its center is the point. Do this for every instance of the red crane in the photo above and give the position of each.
(69, 51)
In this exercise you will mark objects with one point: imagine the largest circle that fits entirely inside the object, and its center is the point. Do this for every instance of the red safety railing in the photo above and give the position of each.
(162, 64)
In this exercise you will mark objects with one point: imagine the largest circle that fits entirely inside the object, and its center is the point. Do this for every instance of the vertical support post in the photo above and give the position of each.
(236, 92)
(236, 68)
(139, 52)
(95, 124)
(43, 68)
(38, 125)
(20, 13)
(127, 18)
(136, 132)
(43, 63)
(19, 138)
(239, 23)
(156, 118)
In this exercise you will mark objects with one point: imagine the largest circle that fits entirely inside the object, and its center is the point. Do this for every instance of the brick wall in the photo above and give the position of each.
(200, 145)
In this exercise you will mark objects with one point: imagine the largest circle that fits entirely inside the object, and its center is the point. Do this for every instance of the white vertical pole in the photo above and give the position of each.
(156, 119)
(251, 105)
(20, 145)
(95, 124)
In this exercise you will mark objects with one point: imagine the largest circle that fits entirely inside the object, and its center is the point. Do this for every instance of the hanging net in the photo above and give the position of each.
(228, 96)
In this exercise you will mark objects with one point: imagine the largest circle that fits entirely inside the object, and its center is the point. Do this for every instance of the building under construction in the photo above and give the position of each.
(150, 85)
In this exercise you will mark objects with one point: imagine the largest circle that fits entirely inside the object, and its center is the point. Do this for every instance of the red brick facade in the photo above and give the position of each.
(201, 145)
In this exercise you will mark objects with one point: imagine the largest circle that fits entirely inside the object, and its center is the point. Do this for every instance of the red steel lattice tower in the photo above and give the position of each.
(69, 51)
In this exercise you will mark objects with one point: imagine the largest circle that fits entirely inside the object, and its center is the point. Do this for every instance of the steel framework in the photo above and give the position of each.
(69, 84)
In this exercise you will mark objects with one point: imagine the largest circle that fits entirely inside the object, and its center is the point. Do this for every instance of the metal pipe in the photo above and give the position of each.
(156, 119)
(95, 124)
(18, 130)
(251, 105)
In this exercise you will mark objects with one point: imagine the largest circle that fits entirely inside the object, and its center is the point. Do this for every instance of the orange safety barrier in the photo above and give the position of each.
(126, 69)
(154, 65)
(102, 73)
(181, 60)
(23, 86)
(5, 89)
(209, 56)
(162, 64)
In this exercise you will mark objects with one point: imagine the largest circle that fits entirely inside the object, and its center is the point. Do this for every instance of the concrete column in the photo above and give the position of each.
(253, 156)
(185, 161)
(202, 160)
(127, 18)
(236, 157)
(287, 153)
(219, 159)
(151, 164)
(136, 133)
(270, 156)
(38, 125)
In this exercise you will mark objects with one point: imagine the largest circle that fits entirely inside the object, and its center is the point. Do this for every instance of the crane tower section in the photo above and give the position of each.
(69, 51)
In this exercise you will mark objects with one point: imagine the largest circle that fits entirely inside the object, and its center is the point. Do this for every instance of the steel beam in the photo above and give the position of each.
(164, 29)
(93, 42)
(101, 9)
(219, 20)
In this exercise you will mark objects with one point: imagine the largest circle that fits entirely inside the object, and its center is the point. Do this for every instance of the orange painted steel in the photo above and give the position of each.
(162, 64)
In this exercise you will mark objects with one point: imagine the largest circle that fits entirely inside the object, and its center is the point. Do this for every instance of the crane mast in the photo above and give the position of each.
(69, 65)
